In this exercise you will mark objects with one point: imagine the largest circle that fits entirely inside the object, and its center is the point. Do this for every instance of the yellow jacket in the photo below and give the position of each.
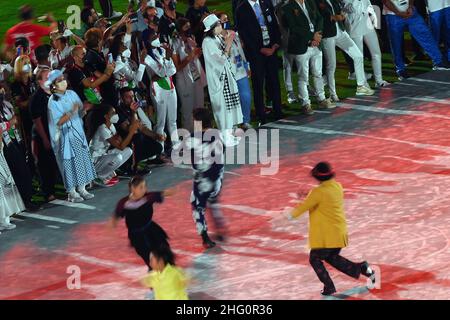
(170, 284)
(327, 224)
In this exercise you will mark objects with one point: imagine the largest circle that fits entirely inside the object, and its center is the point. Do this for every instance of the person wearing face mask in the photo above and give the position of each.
(109, 151)
(13, 152)
(21, 90)
(42, 148)
(242, 70)
(222, 86)
(161, 69)
(190, 77)
(83, 81)
(96, 63)
(65, 111)
(167, 22)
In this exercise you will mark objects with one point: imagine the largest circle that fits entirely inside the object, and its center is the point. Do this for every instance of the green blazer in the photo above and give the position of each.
(297, 25)
(329, 27)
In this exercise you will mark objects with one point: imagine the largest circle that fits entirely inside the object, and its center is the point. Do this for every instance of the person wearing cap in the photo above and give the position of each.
(33, 32)
(328, 228)
(222, 85)
(60, 55)
(65, 111)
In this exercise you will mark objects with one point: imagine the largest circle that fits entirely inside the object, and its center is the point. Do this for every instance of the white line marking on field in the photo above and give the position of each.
(72, 204)
(427, 80)
(52, 227)
(321, 111)
(347, 133)
(47, 218)
(392, 111)
(429, 99)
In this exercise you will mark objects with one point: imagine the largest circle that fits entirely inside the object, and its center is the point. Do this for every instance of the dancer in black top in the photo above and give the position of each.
(137, 209)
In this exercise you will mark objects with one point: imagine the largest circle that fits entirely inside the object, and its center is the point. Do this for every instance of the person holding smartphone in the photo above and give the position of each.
(304, 25)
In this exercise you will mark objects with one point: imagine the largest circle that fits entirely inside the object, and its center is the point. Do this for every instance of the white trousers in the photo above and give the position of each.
(106, 164)
(166, 112)
(344, 42)
(192, 96)
(312, 58)
(371, 41)
(288, 62)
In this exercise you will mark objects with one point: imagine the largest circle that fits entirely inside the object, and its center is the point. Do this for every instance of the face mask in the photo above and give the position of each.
(156, 43)
(26, 68)
(114, 118)
(62, 86)
(126, 53)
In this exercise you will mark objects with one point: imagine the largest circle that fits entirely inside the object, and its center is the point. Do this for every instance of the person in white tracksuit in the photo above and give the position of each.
(191, 78)
(162, 69)
(360, 23)
(334, 34)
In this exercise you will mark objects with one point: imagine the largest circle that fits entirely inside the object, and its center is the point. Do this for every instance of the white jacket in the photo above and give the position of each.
(360, 17)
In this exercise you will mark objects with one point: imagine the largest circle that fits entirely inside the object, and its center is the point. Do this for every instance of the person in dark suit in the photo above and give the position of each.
(259, 31)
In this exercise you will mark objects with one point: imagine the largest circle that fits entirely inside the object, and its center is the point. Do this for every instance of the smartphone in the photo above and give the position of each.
(19, 51)
(110, 58)
(61, 26)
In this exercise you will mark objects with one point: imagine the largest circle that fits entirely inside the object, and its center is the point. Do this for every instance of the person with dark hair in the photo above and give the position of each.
(88, 17)
(96, 63)
(67, 137)
(258, 28)
(107, 8)
(167, 280)
(42, 53)
(207, 161)
(137, 209)
(196, 12)
(14, 153)
(109, 151)
(328, 228)
(41, 146)
(220, 74)
(190, 76)
(33, 32)
(167, 25)
(146, 142)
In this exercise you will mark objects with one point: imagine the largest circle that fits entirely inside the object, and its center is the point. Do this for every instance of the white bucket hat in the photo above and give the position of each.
(210, 21)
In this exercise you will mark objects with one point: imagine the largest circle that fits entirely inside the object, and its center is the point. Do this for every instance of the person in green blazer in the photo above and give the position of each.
(304, 26)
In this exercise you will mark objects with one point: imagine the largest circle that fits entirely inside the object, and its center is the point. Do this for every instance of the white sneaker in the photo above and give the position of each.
(7, 226)
(291, 98)
(352, 76)
(115, 14)
(74, 197)
(381, 84)
(326, 104)
(364, 91)
(334, 98)
(86, 195)
(307, 110)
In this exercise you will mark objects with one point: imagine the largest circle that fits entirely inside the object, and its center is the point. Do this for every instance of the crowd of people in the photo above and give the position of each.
(87, 106)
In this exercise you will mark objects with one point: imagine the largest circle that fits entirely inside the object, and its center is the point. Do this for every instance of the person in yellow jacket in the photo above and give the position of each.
(328, 228)
(167, 280)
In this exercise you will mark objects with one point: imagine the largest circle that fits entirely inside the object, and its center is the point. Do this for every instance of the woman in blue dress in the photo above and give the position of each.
(65, 111)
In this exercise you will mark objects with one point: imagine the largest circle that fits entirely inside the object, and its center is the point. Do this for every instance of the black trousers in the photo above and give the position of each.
(19, 169)
(317, 256)
(265, 68)
(144, 147)
(47, 167)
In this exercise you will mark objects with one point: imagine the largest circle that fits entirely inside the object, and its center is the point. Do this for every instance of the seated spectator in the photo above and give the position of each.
(13, 152)
(146, 142)
(109, 151)
(68, 139)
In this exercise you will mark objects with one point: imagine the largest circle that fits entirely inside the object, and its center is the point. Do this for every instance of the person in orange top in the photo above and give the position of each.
(328, 228)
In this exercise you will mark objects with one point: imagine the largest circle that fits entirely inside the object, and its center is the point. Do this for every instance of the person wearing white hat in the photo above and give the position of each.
(65, 111)
(222, 85)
